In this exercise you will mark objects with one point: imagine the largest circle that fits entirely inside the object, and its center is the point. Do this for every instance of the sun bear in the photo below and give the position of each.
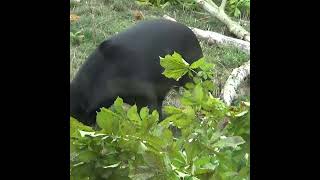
(128, 65)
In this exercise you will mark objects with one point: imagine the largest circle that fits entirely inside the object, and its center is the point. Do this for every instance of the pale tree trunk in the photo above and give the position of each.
(238, 75)
(220, 14)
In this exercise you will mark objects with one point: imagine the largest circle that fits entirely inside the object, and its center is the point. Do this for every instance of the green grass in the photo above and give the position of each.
(100, 19)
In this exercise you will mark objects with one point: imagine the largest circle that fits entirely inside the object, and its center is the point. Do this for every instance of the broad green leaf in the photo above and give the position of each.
(118, 103)
(192, 150)
(155, 115)
(154, 143)
(87, 156)
(133, 115)
(147, 120)
(208, 84)
(153, 160)
(196, 80)
(229, 142)
(187, 99)
(215, 136)
(237, 12)
(198, 93)
(174, 61)
(175, 66)
(141, 172)
(189, 112)
(189, 85)
(75, 125)
(178, 158)
(163, 135)
(166, 122)
(169, 110)
(144, 112)
(182, 174)
(200, 73)
(82, 171)
(204, 165)
(197, 63)
(106, 119)
(182, 122)
(142, 147)
(167, 162)
(175, 74)
(207, 67)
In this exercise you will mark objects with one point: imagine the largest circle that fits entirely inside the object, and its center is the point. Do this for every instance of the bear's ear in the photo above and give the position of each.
(107, 48)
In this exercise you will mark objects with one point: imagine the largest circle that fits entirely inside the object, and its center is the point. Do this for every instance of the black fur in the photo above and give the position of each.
(128, 65)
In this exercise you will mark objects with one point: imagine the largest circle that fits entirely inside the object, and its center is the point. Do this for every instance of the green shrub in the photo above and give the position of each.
(212, 143)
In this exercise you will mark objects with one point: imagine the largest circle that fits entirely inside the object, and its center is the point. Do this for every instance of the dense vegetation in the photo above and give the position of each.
(203, 139)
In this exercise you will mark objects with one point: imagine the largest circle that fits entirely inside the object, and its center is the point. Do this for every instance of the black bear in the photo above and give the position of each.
(128, 65)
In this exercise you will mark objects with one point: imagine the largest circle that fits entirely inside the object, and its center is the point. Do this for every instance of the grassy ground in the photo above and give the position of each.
(100, 19)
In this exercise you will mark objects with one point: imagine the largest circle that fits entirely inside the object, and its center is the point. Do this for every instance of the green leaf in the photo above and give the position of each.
(182, 122)
(192, 150)
(175, 66)
(198, 93)
(171, 110)
(163, 136)
(155, 115)
(189, 112)
(75, 125)
(107, 120)
(178, 158)
(204, 165)
(189, 85)
(237, 12)
(133, 115)
(207, 67)
(153, 160)
(229, 142)
(82, 171)
(144, 112)
(208, 84)
(174, 61)
(87, 156)
(118, 103)
(182, 175)
(197, 63)
(142, 147)
(140, 172)
(175, 74)
(166, 122)
(197, 80)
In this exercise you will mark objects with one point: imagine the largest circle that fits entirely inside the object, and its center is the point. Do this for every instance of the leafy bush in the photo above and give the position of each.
(212, 140)
(236, 8)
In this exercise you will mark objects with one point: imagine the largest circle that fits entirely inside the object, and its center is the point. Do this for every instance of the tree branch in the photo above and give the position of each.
(216, 38)
(237, 76)
(233, 27)
(223, 5)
